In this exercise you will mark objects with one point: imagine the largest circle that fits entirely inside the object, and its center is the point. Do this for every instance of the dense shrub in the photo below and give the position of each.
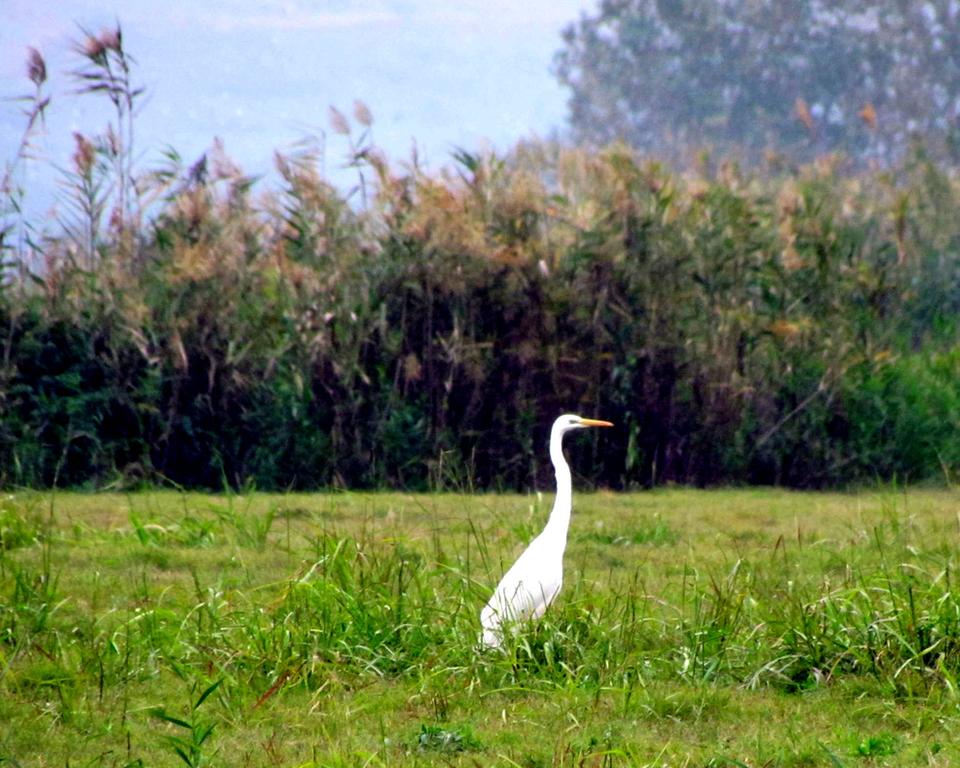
(793, 326)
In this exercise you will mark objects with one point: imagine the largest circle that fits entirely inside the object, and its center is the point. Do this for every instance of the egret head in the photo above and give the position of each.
(570, 421)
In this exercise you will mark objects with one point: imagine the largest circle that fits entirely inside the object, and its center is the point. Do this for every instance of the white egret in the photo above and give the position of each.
(535, 579)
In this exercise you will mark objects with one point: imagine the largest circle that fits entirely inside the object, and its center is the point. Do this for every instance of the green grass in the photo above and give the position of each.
(722, 628)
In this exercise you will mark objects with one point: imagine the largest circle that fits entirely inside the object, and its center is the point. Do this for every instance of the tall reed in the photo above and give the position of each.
(789, 326)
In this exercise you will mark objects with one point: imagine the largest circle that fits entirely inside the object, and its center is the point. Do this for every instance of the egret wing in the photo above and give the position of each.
(525, 590)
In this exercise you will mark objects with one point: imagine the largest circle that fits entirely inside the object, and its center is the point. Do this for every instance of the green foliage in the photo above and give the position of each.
(189, 747)
(434, 738)
(877, 746)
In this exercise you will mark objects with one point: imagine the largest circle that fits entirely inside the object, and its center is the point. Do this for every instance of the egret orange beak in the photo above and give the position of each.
(595, 423)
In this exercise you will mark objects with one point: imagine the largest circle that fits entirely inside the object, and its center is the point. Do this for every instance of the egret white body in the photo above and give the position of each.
(535, 579)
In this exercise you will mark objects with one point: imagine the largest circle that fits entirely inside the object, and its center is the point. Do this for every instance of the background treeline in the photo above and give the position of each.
(793, 325)
(865, 77)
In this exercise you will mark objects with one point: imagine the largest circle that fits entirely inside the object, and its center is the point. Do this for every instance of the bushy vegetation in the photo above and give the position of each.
(791, 325)
(765, 627)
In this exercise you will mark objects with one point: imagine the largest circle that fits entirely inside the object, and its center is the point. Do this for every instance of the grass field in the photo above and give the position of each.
(713, 628)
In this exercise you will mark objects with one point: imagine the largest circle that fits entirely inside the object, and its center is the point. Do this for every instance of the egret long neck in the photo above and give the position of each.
(560, 516)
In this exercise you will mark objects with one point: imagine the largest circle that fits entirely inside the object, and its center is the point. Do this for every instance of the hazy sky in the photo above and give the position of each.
(260, 74)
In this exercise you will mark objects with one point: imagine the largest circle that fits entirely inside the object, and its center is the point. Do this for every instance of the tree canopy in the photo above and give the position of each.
(863, 78)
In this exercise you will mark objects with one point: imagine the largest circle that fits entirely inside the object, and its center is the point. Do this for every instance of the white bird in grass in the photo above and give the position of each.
(535, 579)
